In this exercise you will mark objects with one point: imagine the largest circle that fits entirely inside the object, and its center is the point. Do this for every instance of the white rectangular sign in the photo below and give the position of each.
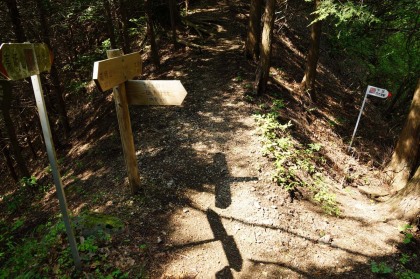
(377, 92)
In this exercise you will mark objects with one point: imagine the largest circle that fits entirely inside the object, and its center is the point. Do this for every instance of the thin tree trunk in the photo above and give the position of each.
(308, 81)
(263, 70)
(16, 21)
(172, 10)
(186, 7)
(124, 27)
(404, 158)
(17, 151)
(151, 34)
(109, 24)
(8, 158)
(55, 79)
(252, 44)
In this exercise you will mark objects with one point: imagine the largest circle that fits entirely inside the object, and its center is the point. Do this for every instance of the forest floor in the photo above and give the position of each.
(209, 206)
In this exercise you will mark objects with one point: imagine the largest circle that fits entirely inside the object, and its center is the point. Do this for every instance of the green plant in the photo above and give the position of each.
(381, 268)
(29, 182)
(295, 165)
(405, 258)
(278, 104)
(408, 274)
(407, 235)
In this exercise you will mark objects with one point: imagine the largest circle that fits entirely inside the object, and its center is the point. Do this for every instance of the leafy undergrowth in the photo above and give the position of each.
(44, 252)
(404, 263)
(297, 165)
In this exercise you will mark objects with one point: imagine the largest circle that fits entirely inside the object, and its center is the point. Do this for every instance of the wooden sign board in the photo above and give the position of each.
(114, 71)
(18, 61)
(5, 95)
(155, 92)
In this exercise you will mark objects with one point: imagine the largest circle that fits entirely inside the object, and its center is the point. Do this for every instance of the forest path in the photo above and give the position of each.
(219, 213)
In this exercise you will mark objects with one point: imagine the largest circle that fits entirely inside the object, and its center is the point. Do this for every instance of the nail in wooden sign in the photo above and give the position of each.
(155, 92)
(114, 71)
(18, 61)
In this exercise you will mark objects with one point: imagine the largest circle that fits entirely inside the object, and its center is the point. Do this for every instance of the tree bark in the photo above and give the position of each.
(16, 21)
(406, 204)
(404, 159)
(308, 81)
(263, 70)
(252, 44)
(109, 24)
(123, 21)
(8, 158)
(172, 10)
(17, 151)
(151, 34)
(55, 78)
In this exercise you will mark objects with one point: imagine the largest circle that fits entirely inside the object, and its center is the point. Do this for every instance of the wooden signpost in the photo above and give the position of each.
(116, 73)
(18, 61)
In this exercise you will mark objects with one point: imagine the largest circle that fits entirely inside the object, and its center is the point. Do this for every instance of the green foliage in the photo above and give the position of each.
(342, 12)
(381, 268)
(43, 253)
(379, 38)
(28, 182)
(18, 199)
(408, 274)
(296, 165)
(401, 270)
(405, 229)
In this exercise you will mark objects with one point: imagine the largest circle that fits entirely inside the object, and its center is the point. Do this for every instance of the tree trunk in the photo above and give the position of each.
(109, 24)
(17, 151)
(308, 81)
(16, 21)
(404, 159)
(172, 10)
(123, 21)
(263, 70)
(151, 34)
(406, 204)
(8, 158)
(55, 79)
(252, 44)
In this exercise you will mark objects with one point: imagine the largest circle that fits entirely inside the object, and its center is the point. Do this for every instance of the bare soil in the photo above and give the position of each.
(209, 207)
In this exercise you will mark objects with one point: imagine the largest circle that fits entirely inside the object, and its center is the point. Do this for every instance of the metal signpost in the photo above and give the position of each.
(116, 73)
(373, 91)
(18, 61)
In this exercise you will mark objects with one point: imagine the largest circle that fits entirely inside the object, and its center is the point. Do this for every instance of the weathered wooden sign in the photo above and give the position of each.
(155, 92)
(114, 71)
(18, 61)
(5, 95)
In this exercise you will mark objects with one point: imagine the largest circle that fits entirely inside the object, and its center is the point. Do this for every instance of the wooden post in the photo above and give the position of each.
(124, 123)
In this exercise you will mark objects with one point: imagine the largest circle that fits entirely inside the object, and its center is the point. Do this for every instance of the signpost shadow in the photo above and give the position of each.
(222, 191)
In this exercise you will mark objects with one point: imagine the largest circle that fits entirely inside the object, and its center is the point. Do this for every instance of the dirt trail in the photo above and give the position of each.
(221, 215)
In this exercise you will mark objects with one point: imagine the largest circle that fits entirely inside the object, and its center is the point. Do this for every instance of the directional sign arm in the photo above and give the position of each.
(114, 71)
(155, 92)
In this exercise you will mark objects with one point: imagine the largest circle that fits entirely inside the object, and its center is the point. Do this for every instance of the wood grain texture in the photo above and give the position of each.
(155, 92)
